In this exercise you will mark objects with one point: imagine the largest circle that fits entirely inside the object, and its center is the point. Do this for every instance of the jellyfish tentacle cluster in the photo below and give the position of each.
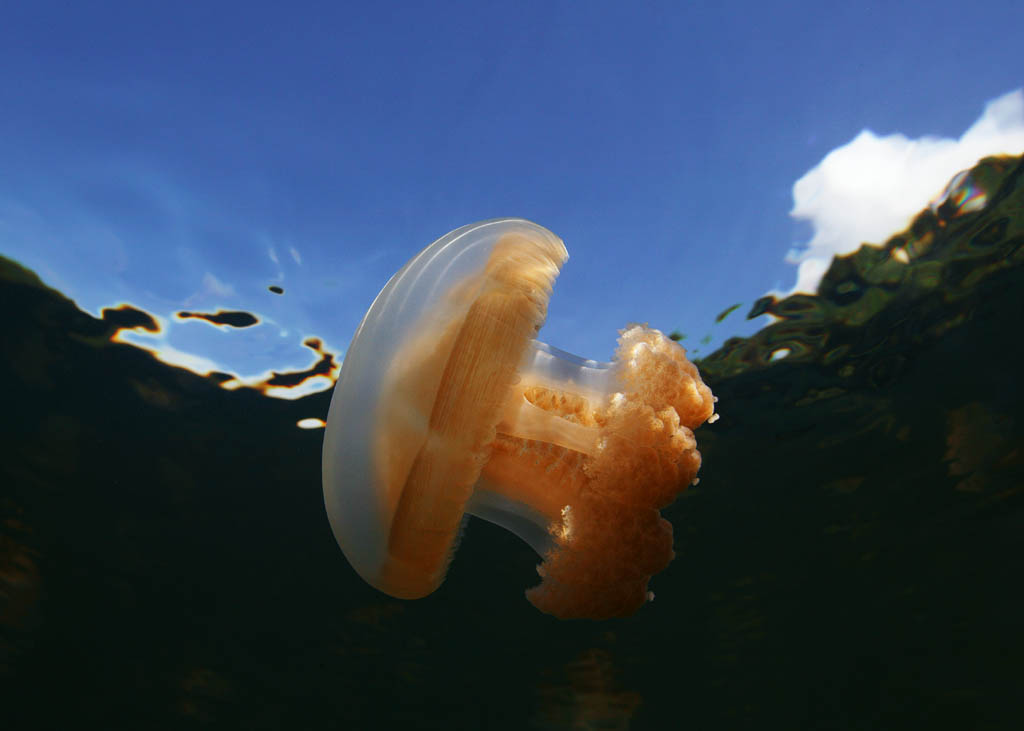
(607, 446)
(447, 405)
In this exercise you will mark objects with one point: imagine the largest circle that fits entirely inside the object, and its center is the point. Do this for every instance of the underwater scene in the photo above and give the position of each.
(849, 558)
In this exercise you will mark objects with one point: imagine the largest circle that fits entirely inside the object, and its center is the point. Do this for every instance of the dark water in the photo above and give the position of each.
(851, 559)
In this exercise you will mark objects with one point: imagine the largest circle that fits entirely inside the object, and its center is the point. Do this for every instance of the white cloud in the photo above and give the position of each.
(871, 187)
(211, 289)
(212, 285)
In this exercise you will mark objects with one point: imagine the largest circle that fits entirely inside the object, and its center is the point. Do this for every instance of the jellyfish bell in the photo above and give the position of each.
(447, 405)
(394, 372)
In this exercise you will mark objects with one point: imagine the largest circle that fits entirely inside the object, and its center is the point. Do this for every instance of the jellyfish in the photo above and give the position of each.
(447, 406)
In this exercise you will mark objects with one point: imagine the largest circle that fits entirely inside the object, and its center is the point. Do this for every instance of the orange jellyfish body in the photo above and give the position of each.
(468, 413)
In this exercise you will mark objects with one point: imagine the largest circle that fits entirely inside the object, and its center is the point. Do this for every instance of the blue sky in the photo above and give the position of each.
(186, 157)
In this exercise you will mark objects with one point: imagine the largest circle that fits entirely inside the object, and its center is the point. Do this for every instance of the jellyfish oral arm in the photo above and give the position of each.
(584, 456)
(555, 371)
(544, 365)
